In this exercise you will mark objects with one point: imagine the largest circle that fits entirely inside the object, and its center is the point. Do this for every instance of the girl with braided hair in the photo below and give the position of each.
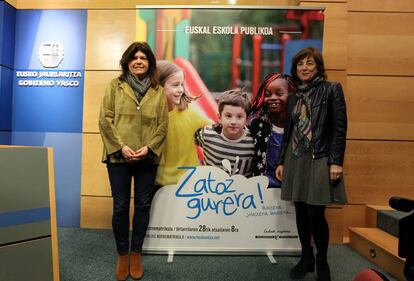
(267, 117)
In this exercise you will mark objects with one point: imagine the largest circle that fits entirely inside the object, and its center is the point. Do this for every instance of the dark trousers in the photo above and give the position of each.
(120, 178)
(311, 222)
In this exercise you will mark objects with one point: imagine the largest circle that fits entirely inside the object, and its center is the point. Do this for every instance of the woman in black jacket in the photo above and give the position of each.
(312, 157)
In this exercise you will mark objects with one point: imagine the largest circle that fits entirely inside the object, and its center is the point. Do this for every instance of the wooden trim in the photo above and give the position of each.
(53, 223)
(128, 4)
(380, 107)
(11, 2)
(334, 34)
(335, 218)
(96, 212)
(113, 29)
(371, 214)
(380, 36)
(324, 1)
(378, 247)
(94, 177)
(374, 171)
(354, 216)
(95, 83)
(385, 6)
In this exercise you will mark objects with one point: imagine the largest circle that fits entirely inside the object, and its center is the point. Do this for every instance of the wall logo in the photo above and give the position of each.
(50, 54)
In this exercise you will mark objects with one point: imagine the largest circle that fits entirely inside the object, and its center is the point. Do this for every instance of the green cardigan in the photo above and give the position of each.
(125, 121)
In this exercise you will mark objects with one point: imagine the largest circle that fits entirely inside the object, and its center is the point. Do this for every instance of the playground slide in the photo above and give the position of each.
(195, 86)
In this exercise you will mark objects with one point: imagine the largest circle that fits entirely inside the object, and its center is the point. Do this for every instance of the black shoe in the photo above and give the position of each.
(322, 269)
(306, 264)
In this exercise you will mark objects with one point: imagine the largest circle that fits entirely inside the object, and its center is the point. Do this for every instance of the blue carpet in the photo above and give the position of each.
(89, 255)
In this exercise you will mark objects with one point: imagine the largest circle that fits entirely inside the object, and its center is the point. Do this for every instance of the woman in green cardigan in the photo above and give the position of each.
(133, 124)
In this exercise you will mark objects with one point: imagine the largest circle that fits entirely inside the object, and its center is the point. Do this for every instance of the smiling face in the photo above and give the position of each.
(139, 65)
(174, 89)
(233, 119)
(276, 95)
(306, 69)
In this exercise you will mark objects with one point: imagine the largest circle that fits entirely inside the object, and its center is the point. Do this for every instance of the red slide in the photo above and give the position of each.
(195, 86)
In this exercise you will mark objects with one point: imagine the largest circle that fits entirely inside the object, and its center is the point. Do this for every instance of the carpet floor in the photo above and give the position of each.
(89, 255)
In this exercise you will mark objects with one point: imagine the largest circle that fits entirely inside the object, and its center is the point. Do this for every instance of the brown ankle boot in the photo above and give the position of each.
(122, 268)
(135, 269)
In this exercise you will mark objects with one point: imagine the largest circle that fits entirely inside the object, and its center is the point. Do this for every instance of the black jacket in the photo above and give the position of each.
(329, 123)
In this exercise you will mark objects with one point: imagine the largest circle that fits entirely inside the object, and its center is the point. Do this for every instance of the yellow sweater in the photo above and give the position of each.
(180, 148)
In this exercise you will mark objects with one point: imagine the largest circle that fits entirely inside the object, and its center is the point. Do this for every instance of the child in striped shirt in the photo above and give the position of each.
(229, 138)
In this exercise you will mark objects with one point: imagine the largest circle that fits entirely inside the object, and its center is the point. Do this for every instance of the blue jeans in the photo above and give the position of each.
(120, 178)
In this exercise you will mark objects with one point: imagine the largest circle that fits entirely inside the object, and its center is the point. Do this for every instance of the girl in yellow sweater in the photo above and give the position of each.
(180, 148)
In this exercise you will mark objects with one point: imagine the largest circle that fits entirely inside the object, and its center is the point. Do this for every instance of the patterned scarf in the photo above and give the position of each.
(140, 87)
(302, 131)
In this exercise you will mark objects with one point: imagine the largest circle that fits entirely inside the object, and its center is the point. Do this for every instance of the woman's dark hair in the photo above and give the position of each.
(304, 53)
(129, 55)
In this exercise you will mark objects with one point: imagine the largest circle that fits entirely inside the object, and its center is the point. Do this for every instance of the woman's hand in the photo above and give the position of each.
(279, 172)
(141, 153)
(128, 153)
(335, 172)
(131, 155)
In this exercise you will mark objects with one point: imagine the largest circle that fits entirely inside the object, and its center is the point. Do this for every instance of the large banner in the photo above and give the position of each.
(208, 208)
